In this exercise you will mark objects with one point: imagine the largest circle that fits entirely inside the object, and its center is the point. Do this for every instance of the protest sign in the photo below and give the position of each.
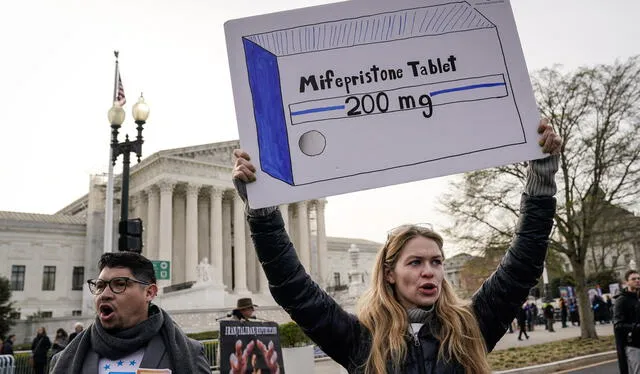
(362, 94)
(250, 347)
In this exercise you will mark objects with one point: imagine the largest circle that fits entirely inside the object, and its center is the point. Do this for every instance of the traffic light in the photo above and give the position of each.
(130, 235)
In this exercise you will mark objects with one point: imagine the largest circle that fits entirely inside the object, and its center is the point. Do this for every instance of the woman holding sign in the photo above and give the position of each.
(410, 320)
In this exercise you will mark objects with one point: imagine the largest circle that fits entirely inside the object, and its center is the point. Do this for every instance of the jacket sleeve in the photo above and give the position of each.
(197, 349)
(622, 323)
(497, 301)
(319, 316)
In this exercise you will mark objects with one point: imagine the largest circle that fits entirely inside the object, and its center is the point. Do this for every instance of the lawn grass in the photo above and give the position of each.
(513, 358)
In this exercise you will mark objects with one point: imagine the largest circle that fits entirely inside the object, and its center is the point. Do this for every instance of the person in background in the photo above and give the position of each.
(626, 324)
(533, 315)
(609, 308)
(60, 341)
(78, 327)
(548, 311)
(522, 321)
(563, 312)
(574, 313)
(7, 347)
(245, 310)
(39, 349)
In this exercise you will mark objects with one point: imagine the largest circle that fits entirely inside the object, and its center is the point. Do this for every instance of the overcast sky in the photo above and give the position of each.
(57, 81)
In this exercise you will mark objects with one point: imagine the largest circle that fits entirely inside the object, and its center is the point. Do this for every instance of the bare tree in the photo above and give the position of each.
(596, 111)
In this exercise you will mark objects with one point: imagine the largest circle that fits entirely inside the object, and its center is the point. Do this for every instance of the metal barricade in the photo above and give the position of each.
(7, 364)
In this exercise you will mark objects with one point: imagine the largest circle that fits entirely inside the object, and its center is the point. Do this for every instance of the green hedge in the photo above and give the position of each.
(205, 335)
(291, 335)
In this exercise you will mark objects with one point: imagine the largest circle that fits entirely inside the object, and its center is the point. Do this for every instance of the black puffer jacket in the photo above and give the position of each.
(626, 325)
(341, 335)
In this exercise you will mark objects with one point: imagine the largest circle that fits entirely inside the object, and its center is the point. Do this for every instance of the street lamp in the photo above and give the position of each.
(126, 228)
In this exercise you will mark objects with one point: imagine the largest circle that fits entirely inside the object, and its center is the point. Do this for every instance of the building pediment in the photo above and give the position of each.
(213, 153)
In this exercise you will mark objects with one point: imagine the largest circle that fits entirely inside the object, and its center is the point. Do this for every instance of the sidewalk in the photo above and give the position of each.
(539, 335)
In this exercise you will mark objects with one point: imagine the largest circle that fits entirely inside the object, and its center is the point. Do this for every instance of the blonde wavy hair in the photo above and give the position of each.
(386, 319)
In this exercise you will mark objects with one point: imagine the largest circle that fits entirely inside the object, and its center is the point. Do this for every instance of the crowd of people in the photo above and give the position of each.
(565, 310)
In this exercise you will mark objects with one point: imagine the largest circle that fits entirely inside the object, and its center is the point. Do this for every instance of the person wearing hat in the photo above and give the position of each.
(245, 309)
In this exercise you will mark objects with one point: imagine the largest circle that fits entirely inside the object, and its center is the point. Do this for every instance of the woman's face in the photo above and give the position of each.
(418, 274)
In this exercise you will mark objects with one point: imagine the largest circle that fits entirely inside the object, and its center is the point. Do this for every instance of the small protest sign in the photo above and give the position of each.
(250, 348)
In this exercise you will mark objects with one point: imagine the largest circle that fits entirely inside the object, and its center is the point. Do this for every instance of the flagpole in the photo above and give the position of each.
(108, 208)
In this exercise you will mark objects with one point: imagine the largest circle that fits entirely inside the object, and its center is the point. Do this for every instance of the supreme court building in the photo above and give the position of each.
(192, 217)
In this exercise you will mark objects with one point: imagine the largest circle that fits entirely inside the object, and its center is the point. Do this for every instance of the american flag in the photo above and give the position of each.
(120, 98)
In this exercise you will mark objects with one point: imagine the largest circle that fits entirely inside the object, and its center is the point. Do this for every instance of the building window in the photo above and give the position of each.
(76, 313)
(336, 279)
(47, 314)
(77, 278)
(49, 278)
(17, 277)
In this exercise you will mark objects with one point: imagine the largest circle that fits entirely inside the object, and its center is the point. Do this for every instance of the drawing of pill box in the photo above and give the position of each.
(308, 134)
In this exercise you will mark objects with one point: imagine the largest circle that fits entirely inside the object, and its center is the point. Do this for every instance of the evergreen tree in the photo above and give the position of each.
(6, 307)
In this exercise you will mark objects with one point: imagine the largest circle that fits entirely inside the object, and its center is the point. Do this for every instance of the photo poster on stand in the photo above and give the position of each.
(250, 348)
(356, 95)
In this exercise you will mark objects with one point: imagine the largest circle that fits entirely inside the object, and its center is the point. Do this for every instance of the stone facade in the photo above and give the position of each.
(191, 216)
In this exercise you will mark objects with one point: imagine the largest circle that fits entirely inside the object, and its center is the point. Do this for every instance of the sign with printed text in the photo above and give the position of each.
(162, 269)
(362, 94)
(250, 347)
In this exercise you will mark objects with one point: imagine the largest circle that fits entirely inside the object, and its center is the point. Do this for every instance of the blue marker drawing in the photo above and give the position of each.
(316, 110)
(464, 88)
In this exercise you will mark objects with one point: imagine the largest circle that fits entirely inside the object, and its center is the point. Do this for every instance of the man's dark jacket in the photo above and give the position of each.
(343, 338)
(7, 347)
(626, 325)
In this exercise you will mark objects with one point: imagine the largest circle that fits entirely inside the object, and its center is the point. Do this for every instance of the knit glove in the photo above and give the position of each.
(541, 176)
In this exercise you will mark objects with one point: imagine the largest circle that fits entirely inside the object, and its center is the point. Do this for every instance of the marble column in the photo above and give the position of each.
(227, 242)
(321, 243)
(203, 225)
(215, 239)
(138, 203)
(151, 226)
(191, 234)
(179, 249)
(166, 224)
(239, 249)
(304, 251)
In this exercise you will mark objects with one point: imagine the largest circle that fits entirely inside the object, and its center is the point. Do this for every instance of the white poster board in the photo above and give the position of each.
(363, 94)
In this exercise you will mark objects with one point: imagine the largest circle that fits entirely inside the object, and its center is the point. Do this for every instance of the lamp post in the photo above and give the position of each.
(116, 118)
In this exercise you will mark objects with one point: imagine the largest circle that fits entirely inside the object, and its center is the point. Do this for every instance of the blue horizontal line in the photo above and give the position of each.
(463, 88)
(316, 110)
